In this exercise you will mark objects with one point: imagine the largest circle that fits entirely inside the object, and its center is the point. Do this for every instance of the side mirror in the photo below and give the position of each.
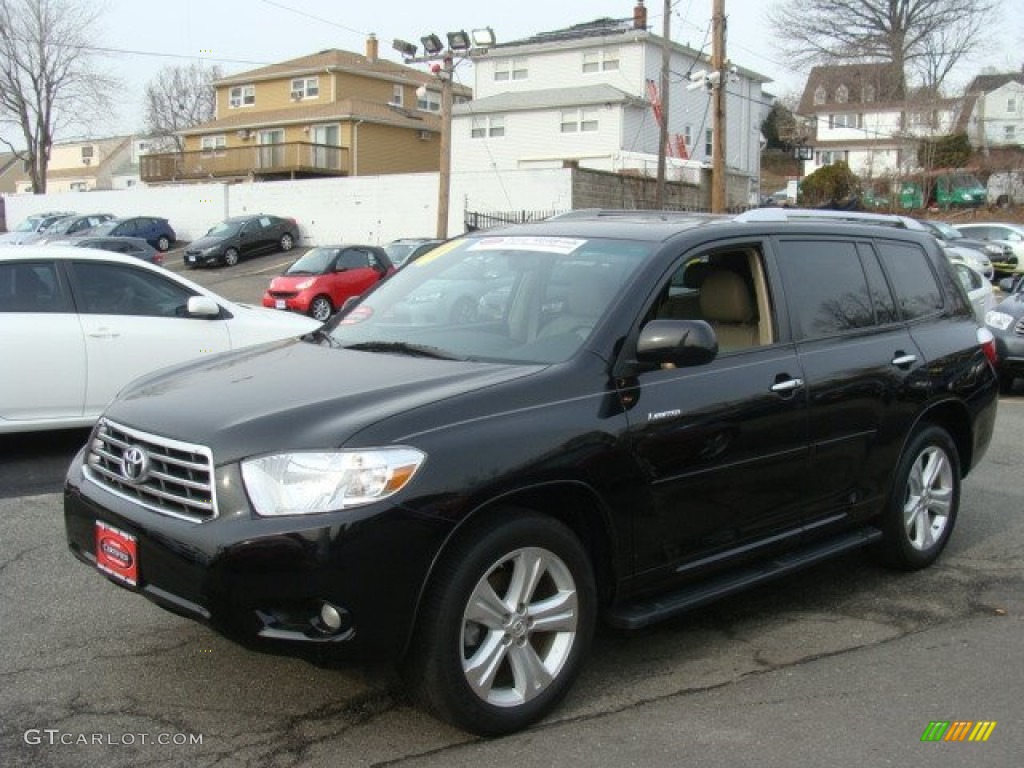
(682, 343)
(202, 306)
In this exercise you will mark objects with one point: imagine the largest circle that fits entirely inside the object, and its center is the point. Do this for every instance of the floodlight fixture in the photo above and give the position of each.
(484, 38)
(408, 50)
(432, 44)
(458, 41)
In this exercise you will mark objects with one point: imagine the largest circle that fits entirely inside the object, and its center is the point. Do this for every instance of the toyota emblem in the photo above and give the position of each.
(135, 465)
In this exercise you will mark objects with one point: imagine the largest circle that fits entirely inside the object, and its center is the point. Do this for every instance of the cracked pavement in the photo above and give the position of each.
(843, 664)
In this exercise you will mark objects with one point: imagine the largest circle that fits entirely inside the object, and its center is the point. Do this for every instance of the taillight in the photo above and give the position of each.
(988, 344)
(158, 258)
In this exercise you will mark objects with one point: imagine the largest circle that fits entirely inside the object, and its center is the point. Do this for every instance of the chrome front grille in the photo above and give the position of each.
(1018, 328)
(164, 475)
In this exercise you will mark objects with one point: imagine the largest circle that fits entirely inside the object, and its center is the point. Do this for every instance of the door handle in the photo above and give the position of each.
(904, 361)
(103, 333)
(787, 386)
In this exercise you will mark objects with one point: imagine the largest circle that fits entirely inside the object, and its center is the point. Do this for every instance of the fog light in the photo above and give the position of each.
(331, 617)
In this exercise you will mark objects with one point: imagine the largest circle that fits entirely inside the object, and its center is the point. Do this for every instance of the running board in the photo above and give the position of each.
(650, 610)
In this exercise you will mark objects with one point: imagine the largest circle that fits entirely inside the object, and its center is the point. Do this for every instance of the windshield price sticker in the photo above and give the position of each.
(560, 245)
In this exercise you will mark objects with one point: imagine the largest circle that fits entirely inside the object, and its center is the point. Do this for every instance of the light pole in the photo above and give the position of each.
(443, 59)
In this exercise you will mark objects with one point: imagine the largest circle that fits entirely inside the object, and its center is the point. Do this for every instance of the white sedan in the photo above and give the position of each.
(76, 325)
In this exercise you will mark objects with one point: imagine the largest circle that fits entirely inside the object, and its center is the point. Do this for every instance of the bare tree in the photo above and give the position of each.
(47, 78)
(927, 37)
(178, 98)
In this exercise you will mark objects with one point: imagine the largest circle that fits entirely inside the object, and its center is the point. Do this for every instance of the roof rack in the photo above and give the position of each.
(824, 214)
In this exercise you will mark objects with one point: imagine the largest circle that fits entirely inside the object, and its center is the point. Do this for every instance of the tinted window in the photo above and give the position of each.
(352, 259)
(913, 281)
(116, 289)
(826, 288)
(881, 295)
(31, 287)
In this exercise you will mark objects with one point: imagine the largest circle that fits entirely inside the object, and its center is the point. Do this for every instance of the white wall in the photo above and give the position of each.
(366, 209)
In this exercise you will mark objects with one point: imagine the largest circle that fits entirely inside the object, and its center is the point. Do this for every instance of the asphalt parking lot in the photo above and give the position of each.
(844, 665)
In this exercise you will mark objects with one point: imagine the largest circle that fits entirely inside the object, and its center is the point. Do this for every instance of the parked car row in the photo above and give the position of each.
(65, 228)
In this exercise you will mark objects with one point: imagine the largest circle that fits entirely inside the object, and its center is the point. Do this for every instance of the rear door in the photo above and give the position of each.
(859, 361)
(41, 344)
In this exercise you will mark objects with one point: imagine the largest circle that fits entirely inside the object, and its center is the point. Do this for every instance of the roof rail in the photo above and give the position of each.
(823, 214)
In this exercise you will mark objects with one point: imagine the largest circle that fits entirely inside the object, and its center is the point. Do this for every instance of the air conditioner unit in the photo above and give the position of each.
(297, 95)
(424, 135)
(244, 134)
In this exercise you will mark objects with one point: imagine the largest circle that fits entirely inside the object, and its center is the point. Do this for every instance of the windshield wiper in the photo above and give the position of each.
(403, 348)
(323, 337)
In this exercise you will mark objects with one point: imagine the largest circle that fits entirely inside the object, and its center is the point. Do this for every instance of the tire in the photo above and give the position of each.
(320, 309)
(287, 242)
(478, 659)
(163, 243)
(922, 508)
(230, 257)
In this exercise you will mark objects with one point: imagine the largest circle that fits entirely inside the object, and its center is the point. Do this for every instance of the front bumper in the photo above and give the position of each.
(264, 581)
(296, 302)
(196, 259)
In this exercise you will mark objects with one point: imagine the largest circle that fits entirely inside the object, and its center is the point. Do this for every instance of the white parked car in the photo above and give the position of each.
(979, 290)
(76, 325)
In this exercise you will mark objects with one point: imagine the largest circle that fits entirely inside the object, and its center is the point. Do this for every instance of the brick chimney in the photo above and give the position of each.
(371, 48)
(639, 15)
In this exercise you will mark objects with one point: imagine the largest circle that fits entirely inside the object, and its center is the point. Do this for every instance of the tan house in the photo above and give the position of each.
(80, 166)
(333, 113)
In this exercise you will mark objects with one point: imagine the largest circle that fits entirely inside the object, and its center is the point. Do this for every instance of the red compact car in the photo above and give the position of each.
(320, 281)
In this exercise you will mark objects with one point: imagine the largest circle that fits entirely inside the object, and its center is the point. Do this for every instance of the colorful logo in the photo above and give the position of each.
(958, 730)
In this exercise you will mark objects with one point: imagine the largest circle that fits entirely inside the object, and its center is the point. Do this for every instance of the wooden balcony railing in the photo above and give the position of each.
(297, 159)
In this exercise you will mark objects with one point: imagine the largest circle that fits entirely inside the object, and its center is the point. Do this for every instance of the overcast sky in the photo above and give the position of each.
(244, 34)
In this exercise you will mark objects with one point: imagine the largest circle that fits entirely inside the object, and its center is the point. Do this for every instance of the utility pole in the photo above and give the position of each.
(445, 172)
(666, 42)
(718, 94)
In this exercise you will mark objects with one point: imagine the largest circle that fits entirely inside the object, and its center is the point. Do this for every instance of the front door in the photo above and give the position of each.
(326, 147)
(271, 150)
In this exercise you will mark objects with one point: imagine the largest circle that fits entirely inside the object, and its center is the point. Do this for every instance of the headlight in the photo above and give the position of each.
(993, 250)
(308, 483)
(211, 250)
(999, 320)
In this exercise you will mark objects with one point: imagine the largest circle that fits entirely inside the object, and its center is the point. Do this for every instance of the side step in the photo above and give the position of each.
(654, 609)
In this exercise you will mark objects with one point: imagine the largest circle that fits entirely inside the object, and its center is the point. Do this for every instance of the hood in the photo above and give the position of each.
(293, 395)
(208, 241)
(288, 282)
(18, 238)
(1012, 305)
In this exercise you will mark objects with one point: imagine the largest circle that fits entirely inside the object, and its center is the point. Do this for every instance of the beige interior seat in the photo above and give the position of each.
(726, 304)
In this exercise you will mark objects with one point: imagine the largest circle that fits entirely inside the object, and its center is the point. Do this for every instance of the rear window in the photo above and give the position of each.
(913, 281)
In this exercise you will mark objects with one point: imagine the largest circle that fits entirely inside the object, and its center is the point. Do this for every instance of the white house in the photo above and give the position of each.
(862, 115)
(588, 96)
(993, 114)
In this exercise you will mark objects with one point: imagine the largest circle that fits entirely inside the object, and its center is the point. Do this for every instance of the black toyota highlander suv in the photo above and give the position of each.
(643, 413)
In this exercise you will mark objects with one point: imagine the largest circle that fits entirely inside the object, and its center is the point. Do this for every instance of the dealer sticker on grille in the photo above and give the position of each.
(117, 554)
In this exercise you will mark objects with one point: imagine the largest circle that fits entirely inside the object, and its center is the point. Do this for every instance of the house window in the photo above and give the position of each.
(829, 157)
(579, 120)
(1011, 104)
(87, 154)
(819, 95)
(397, 95)
(600, 61)
(1010, 132)
(213, 145)
(510, 69)
(688, 135)
(845, 120)
(842, 94)
(305, 88)
(430, 101)
(242, 96)
(869, 92)
(78, 186)
(493, 126)
(709, 146)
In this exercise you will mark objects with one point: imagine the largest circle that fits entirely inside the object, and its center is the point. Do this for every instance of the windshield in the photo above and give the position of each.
(499, 299)
(225, 229)
(28, 225)
(966, 181)
(60, 226)
(399, 252)
(947, 231)
(313, 262)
